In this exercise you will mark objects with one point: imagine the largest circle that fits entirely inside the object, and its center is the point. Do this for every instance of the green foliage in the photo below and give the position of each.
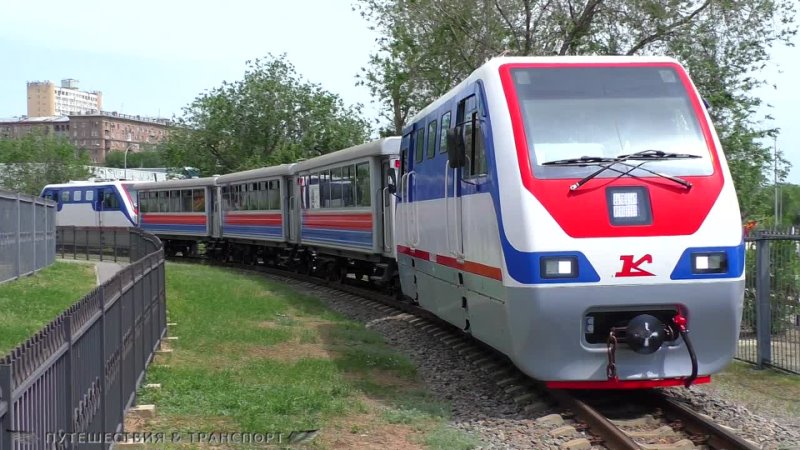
(136, 160)
(427, 46)
(36, 160)
(272, 116)
(28, 304)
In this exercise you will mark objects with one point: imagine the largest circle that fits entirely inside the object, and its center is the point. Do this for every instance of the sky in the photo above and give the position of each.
(151, 57)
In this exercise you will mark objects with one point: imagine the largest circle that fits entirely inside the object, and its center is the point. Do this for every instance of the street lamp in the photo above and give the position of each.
(126, 161)
(126, 155)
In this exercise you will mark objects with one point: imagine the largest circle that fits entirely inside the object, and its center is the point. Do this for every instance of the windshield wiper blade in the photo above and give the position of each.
(646, 155)
(582, 161)
(658, 154)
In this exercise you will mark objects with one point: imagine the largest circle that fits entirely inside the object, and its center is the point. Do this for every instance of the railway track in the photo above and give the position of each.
(616, 420)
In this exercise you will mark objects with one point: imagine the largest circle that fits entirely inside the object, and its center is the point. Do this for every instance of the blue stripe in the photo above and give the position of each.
(352, 238)
(272, 230)
(195, 229)
(683, 270)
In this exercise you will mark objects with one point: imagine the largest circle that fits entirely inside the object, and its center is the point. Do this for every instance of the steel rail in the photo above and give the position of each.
(613, 437)
(717, 436)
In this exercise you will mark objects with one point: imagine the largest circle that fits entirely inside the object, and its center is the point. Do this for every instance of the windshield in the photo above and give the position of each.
(570, 112)
(133, 195)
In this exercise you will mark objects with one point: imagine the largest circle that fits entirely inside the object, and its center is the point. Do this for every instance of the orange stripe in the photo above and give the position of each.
(467, 266)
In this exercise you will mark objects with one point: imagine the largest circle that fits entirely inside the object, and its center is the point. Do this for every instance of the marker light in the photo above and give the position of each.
(559, 267)
(629, 205)
(716, 262)
(626, 204)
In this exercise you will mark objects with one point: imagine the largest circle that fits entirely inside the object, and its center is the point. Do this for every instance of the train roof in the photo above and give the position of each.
(385, 146)
(177, 184)
(263, 172)
(493, 65)
(82, 183)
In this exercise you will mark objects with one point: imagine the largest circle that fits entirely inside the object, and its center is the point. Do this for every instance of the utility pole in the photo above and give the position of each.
(775, 180)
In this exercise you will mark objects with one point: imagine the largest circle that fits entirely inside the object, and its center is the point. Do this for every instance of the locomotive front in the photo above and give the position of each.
(620, 228)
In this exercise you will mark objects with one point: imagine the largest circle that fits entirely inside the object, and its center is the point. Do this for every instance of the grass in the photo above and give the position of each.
(257, 356)
(757, 389)
(29, 303)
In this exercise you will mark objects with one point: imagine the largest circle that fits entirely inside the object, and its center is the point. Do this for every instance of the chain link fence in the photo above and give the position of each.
(79, 374)
(770, 331)
(27, 234)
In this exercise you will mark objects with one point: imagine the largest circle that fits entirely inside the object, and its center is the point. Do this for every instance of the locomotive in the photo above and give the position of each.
(575, 213)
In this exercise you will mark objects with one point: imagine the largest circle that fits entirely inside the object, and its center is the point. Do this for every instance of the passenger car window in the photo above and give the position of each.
(362, 181)
(199, 200)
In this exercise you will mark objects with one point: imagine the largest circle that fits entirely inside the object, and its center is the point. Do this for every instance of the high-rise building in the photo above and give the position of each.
(47, 99)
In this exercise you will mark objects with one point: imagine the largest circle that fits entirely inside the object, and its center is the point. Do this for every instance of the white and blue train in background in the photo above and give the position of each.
(97, 204)
(575, 213)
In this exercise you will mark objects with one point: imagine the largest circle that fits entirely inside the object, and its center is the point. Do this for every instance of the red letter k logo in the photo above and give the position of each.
(631, 269)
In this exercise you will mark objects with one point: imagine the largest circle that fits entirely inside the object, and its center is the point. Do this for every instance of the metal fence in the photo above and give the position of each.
(770, 332)
(75, 378)
(27, 234)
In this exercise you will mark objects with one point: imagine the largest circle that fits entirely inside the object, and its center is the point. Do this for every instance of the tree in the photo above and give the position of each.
(272, 116)
(30, 163)
(427, 46)
(143, 159)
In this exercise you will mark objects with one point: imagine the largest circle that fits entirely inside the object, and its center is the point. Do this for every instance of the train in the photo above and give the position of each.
(94, 203)
(576, 214)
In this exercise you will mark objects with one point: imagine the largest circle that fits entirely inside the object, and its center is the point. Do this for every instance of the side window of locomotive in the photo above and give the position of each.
(467, 116)
(431, 139)
(110, 201)
(477, 149)
(419, 145)
(443, 132)
(89, 195)
(76, 196)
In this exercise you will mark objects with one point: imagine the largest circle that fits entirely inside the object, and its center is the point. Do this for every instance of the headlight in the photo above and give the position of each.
(716, 262)
(558, 267)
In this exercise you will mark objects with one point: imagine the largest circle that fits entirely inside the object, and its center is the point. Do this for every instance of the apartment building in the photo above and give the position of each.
(103, 132)
(16, 128)
(45, 98)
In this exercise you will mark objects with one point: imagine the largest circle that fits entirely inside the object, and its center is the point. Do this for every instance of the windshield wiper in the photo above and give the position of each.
(646, 155)
(658, 154)
(580, 162)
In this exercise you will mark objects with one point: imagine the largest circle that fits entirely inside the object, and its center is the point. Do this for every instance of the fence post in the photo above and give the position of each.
(103, 359)
(19, 236)
(8, 418)
(68, 370)
(33, 231)
(763, 291)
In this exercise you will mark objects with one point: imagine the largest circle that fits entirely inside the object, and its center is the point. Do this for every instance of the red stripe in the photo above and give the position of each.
(467, 266)
(169, 219)
(624, 384)
(687, 209)
(254, 219)
(342, 221)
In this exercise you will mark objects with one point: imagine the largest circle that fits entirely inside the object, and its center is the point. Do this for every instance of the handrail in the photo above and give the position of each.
(385, 221)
